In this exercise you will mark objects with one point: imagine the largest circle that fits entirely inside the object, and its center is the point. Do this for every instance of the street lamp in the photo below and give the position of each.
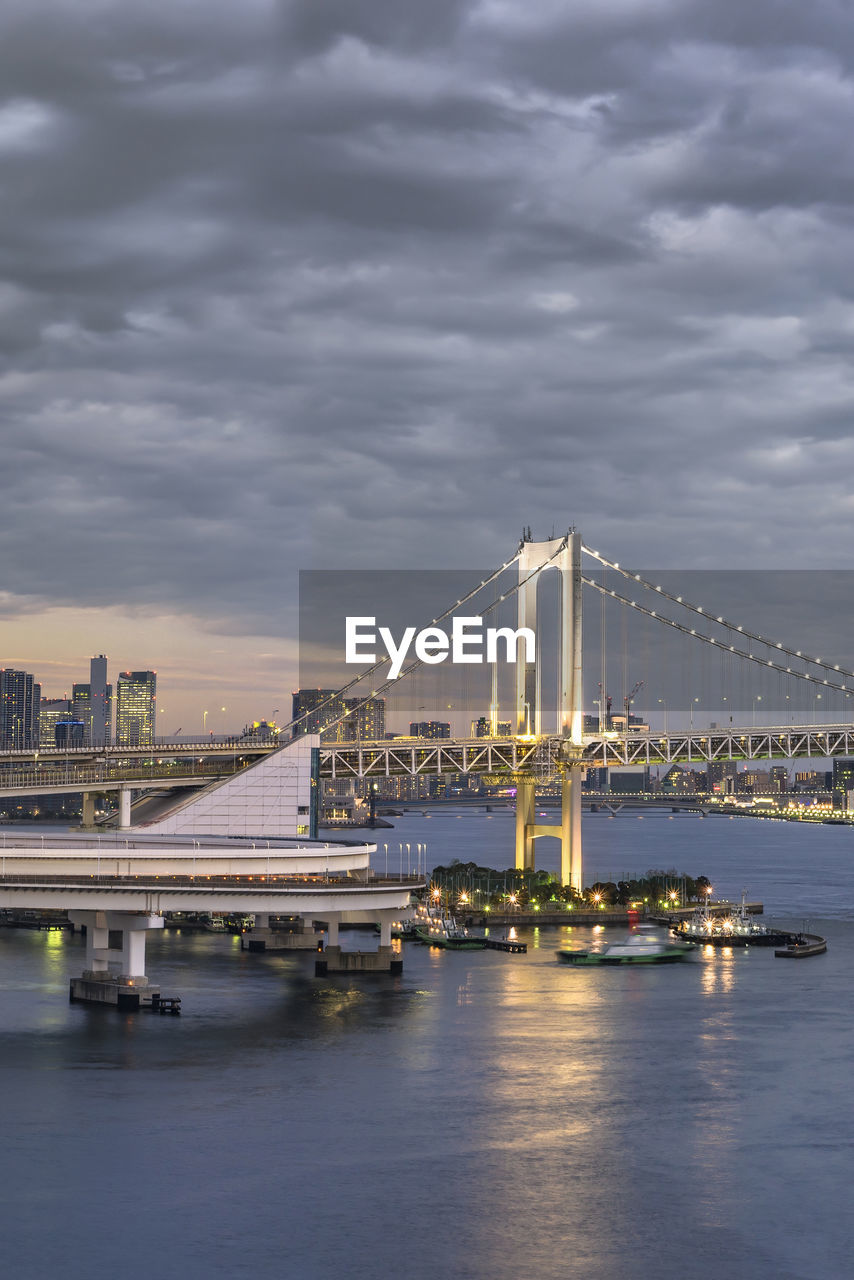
(815, 702)
(663, 702)
(756, 698)
(693, 700)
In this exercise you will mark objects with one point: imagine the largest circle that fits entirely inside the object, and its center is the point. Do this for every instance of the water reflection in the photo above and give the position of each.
(556, 1122)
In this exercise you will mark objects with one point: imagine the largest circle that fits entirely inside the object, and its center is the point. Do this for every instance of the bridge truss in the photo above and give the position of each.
(548, 757)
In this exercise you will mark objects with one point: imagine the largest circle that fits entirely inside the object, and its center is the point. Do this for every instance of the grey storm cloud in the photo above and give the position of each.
(356, 282)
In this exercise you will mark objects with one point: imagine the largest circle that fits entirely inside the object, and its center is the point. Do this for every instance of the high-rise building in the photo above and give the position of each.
(429, 729)
(482, 728)
(319, 711)
(365, 721)
(92, 704)
(136, 705)
(51, 712)
(70, 733)
(81, 708)
(20, 700)
(100, 702)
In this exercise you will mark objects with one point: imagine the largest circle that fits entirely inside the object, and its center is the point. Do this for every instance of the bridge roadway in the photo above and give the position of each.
(234, 748)
(106, 777)
(549, 757)
(151, 873)
(502, 759)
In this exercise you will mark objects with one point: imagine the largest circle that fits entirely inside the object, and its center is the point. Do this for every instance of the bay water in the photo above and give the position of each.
(481, 1116)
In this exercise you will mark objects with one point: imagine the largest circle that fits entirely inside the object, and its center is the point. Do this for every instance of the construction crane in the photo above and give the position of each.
(605, 701)
(627, 701)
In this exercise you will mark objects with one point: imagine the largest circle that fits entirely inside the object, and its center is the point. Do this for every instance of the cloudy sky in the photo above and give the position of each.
(344, 283)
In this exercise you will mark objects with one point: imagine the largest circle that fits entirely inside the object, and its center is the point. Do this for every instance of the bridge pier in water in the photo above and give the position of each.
(568, 832)
(384, 959)
(564, 555)
(115, 958)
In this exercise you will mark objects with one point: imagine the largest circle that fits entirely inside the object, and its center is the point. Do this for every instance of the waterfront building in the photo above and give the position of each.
(843, 782)
(779, 778)
(20, 701)
(596, 778)
(678, 781)
(720, 776)
(810, 780)
(136, 699)
(418, 787)
(632, 781)
(748, 780)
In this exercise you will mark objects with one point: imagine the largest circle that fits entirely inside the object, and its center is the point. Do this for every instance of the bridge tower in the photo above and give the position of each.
(564, 555)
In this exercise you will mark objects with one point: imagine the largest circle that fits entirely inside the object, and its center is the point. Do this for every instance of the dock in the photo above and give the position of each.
(164, 1004)
(802, 945)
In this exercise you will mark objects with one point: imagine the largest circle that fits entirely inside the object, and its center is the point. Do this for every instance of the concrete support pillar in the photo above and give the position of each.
(262, 920)
(115, 942)
(525, 817)
(133, 953)
(332, 931)
(385, 931)
(97, 945)
(88, 819)
(124, 808)
(571, 870)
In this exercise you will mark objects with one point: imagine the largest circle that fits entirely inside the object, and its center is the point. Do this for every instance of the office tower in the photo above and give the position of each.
(52, 711)
(100, 702)
(81, 708)
(135, 708)
(20, 699)
(70, 733)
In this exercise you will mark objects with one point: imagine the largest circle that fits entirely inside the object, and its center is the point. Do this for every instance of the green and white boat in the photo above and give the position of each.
(645, 945)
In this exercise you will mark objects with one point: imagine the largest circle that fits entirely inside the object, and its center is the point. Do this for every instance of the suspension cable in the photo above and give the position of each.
(418, 662)
(835, 669)
(768, 663)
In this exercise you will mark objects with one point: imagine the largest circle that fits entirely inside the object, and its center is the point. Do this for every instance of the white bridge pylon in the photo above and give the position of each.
(534, 558)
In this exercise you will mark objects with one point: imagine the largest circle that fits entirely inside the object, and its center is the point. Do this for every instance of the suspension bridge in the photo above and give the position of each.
(551, 740)
(548, 738)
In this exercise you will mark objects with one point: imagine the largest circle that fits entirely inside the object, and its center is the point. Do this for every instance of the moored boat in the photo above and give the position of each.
(735, 929)
(445, 932)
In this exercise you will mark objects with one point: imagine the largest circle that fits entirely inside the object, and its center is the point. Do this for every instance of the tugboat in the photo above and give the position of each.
(738, 929)
(445, 932)
(644, 946)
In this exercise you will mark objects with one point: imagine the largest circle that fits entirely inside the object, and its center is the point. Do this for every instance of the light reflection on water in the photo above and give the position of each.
(484, 1115)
